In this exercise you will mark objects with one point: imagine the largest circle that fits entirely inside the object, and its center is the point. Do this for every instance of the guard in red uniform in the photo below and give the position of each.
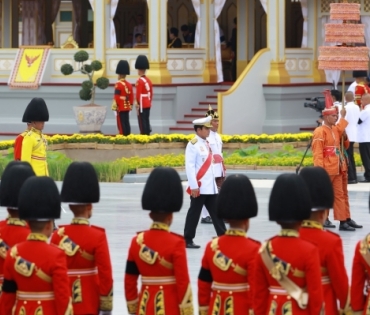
(361, 87)
(123, 98)
(287, 275)
(35, 272)
(158, 255)
(18, 142)
(360, 297)
(15, 230)
(334, 277)
(86, 246)
(224, 281)
(144, 95)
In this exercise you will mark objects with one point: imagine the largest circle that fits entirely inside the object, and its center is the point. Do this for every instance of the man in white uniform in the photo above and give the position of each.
(352, 116)
(202, 185)
(363, 135)
(215, 143)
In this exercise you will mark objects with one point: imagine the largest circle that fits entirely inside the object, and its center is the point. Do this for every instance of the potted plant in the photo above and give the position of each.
(89, 117)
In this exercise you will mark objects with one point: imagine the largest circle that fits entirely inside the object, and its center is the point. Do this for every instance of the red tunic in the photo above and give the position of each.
(224, 279)
(360, 301)
(89, 265)
(35, 279)
(14, 231)
(144, 92)
(333, 271)
(159, 257)
(123, 96)
(360, 89)
(18, 145)
(300, 259)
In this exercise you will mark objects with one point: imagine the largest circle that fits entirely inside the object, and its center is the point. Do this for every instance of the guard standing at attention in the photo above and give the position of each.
(202, 185)
(35, 272)
(158, 255)
(224, 281)
(360, 298)
(287, 279)
(144, 95)
(34, 143)
(15, 230)
(329, 244)
(123, 98)
(86, 246)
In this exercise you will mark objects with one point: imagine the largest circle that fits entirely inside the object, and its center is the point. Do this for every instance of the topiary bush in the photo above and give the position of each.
(87, 92)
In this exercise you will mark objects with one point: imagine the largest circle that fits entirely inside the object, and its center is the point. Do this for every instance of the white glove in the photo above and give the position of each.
(115, 113)
(105, 312)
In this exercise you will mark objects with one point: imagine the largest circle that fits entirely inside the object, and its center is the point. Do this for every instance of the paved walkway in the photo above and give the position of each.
(119, 212)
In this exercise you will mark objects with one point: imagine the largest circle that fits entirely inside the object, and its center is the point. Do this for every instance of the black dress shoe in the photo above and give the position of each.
(352, 182)
(345, 227)
(206, 220)
(365, 181)
(192, 245)
(328, 224)
(353, 224)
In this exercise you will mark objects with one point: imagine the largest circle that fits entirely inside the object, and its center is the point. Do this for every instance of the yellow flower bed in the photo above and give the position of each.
(160, 138)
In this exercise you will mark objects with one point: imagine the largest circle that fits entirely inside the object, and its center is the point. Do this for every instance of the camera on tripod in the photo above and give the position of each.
(316, 103)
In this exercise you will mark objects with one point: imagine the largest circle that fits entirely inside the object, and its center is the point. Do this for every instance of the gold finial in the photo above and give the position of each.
(209, 107)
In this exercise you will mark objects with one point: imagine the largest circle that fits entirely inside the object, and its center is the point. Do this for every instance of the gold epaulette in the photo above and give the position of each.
(194, 140)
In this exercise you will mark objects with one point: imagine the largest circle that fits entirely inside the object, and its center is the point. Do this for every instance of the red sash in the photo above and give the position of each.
(203, 169)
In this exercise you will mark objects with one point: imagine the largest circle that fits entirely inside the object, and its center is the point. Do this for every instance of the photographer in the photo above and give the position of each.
(327, 153)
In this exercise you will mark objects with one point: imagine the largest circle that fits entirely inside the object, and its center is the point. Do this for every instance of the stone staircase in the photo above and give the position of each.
(185, 126)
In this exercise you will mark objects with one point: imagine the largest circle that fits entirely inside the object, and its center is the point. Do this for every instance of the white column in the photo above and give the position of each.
(209, 73)
(245, 11)
(100, 8)
(157, 31)
(276, 41)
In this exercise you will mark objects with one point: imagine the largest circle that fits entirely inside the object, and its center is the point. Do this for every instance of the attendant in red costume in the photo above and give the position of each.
(35, 272)
(15, 230)
(224, 281)
(287, 279)
(144, 95)
(328, 153)
(123, 98)
(18, 142)
(86, 246)
(158, 255)
(361, 86)
(334, 277)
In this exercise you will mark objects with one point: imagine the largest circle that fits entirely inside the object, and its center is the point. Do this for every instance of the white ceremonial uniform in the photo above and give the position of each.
(352, 116)
(215, 143)
(352, 87)
(363, 129)
(195, 155)
(139, 29)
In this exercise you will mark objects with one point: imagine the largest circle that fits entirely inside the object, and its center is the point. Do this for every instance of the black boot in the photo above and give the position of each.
(353, 224)
(328, 224)
(343, 226)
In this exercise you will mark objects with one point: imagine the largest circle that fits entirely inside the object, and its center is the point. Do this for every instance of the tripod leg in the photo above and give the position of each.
(303, 157)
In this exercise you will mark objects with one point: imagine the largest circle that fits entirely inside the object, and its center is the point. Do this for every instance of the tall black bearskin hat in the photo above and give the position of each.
(123, 67)
(142, 62)
(237, 200)
(39, 199)
(359, 74)
(320, 187)
(80, 184)
(289, 199)
(212, 113)
(15, 174)
(163, 191)
(36, 111)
